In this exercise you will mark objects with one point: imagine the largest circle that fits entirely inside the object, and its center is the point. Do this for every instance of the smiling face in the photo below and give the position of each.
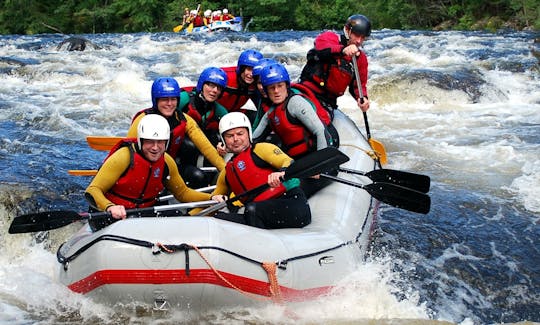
(211, 91)
(247, 75)
(167, 105)
(153, 149)
(277, 92)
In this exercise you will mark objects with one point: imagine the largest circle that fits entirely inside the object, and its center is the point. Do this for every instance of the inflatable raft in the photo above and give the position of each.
(202, 262)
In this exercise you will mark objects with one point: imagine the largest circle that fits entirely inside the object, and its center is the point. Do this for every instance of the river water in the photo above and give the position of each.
(461, 107)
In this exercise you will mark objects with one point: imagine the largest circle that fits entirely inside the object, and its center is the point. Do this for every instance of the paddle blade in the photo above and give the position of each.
(413, 181)
(400, 197)
(102, 143)
(178, 28)
(316, 162)
(42, 221)
(379, 149)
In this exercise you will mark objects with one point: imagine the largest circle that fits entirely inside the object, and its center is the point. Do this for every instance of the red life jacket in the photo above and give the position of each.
(198, 21)
(331, 74)
(235, 95)
(323, 114)
(247, 171)
(141, 183)
(177, 122)
(208, 121)
(296, 139)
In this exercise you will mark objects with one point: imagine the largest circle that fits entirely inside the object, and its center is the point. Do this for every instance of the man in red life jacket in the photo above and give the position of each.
(135, 173)
(253, 165)
(226, 15)
(291, 116)
(241, 84)
(328, 71)
(296, 120)
(185, 132)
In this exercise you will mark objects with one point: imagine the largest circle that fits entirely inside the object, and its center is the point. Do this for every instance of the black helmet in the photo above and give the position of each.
(359, 24)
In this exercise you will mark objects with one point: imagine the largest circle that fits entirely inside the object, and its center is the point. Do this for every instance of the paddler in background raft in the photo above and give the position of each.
(136, 172)
(185, 132)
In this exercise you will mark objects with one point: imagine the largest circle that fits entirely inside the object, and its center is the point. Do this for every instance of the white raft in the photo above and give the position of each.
(233, 25)
(214, 263)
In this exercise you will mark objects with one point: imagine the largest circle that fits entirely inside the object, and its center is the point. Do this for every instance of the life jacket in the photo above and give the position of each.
(305, 92)
(178, 124)
(331, 76)
(198, 21)
(235, 95)
(208, 121)
(247, 171)
(296, 139)
(141, 183)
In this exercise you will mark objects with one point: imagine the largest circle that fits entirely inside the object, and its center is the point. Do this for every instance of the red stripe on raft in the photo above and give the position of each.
(203, 276)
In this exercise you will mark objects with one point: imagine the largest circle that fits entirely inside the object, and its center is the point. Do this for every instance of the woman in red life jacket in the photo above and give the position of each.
(241, 84)
(135, 173)
(328, 71)
(184, 132)
(252, 166)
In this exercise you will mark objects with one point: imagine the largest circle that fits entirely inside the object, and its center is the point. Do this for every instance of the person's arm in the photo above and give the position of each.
(261, 128)
(106, 177)
(299, 108)
(203, 144)
(273, 155)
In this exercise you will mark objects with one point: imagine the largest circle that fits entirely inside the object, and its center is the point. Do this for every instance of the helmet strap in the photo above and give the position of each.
(347, 32)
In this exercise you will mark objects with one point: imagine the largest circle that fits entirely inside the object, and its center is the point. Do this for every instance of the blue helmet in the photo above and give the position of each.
(261, 65)
(248, 58)
(164, 87)
(274, 73)
(213, 75)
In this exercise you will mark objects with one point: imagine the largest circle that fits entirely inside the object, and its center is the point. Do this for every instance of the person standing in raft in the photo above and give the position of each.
(328, 71)
(185, 132)
(283, 205)
(135, 173)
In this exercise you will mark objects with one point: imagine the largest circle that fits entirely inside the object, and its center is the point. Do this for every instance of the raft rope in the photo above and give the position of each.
(375, 155)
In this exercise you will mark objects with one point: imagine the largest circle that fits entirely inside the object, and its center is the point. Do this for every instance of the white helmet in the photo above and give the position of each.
(207, 13)
(153, 127)
(219, 12)
(225, 11)
(234, 120)
(193, 12)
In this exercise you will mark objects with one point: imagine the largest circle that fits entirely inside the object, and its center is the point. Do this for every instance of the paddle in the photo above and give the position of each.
(49, 220)
(102, 143)
(93, 172)
(312, 164)
(377, 146)
(413, 181)
(394, 195)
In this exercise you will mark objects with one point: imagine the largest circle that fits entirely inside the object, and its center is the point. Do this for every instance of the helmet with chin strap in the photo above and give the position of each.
(248, 58)
(213, 75)
(153, 127)
(164, 87)
(359, 25)
(234, 120)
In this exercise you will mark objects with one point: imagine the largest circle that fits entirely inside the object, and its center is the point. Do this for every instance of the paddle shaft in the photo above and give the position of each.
(314, 163)
(49, 220)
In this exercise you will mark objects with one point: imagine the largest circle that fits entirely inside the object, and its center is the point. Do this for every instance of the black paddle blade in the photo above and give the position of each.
(316, 162)
(413, 181)
(42, 221)
(400, 197)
